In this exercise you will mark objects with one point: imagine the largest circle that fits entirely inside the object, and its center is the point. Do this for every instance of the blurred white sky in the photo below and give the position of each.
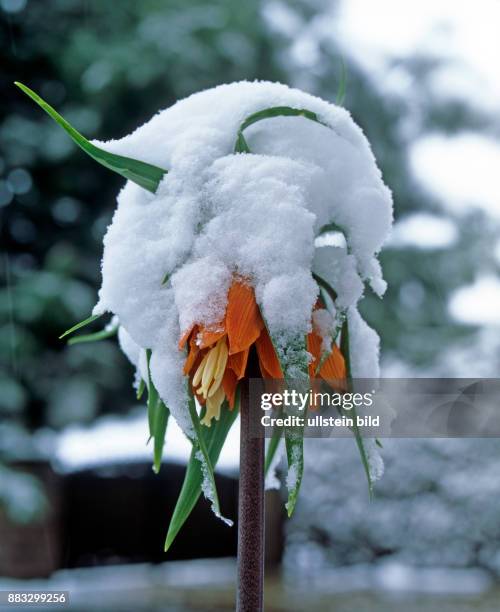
(461, 171)
(460, 30)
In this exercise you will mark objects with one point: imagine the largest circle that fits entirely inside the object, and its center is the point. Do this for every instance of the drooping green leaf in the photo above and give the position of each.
(78, 326)
(341, 91)
(143, 174)
(332, 294)
(158, 414)
(159, 429)
(326, 286)
(329, 228)
(241, 145)
(153, 398)
(294, 442)
(100, 335)
(215, 436)
(280, 111)
(294, 362)
(345, 350)
(140, 388)
(203, 455)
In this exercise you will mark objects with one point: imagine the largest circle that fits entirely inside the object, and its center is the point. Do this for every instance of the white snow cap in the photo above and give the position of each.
(169, 257)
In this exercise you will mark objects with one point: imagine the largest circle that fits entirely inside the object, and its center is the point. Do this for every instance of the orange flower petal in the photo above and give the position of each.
(334, 366)
(268, 360)
(237, 362)
(229, 384)
(210, 335)
(186, 335)
(243, 320)
(314, 347)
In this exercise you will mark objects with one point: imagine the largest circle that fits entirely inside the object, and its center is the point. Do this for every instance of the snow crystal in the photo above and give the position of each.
(292, 476)
(191, 285)
(338, 268)
(363, 347)
(208, 489)
(375, 461)
(169, 257)
(323, 324)
(287, 302)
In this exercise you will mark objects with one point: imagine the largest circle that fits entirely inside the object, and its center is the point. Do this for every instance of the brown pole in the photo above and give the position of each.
(250, 590)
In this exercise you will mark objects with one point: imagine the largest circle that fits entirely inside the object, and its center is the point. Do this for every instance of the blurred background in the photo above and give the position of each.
(79, 506)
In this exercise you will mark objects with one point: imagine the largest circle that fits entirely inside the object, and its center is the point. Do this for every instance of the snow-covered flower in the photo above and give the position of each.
(253, 216)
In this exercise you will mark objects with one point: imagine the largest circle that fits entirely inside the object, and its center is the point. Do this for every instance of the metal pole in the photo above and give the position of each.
(250, 590)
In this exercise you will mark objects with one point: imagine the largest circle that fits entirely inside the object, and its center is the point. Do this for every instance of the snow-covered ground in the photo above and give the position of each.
(116, 439)
(435, 507)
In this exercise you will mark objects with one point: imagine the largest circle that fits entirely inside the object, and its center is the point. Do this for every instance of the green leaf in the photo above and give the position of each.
(153, 398)
(342, 84)
(272, 448)
(280, 111)
(241, 145)
(158, 414)
(326, 286)
(159, 430)
(294, 442)
(100, 335)
(294, 362)
(80, 325)
(143, 174)
(345, 350)
(199, 443)
(215, 436)
(140, 389)
(329, 228)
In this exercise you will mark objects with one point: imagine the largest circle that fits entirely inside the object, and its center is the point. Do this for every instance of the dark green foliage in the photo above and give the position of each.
(107, 68)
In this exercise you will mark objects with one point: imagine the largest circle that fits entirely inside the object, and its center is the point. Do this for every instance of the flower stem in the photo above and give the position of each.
(250, 590)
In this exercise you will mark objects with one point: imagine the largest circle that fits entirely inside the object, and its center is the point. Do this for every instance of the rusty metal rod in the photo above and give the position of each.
(250, 589)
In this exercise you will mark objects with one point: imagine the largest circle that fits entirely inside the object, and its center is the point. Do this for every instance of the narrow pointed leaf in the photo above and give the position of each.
(100, 335)
(241, 145)
(153, 398)
(140, 388)
(280, 111)
(294, 361)
(159, 430)
(326, 286)
(294, 442)
(78, 326)
(345, 350)
(215, 437)
(143, 174)
(203, 456)
(329, 228)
